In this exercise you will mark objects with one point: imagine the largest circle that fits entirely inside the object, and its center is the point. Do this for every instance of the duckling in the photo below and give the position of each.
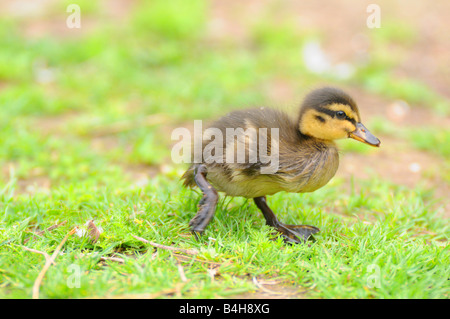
(307, 156)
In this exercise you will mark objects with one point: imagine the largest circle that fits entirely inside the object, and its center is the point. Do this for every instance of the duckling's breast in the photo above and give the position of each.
(312, 171)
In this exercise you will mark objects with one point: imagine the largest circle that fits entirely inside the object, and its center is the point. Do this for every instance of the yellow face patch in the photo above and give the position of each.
(324, 126)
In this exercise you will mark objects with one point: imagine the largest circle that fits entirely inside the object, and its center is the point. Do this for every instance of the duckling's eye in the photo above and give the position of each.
(341, 115)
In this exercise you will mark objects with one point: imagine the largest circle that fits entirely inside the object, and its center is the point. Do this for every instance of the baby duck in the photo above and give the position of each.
(307, 157)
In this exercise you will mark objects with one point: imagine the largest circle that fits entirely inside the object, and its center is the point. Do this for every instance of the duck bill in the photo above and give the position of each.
(363, 135)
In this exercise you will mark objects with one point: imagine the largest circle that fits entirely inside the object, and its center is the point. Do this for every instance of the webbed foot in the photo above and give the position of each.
(206, 208)
(297, 234)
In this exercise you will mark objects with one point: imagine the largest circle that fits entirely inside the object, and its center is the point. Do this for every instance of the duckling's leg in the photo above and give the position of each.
(207, 204)
(291, 233)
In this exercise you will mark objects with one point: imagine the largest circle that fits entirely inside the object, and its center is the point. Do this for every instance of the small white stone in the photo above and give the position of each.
(415, 167)
(398, 110)
(315, 58)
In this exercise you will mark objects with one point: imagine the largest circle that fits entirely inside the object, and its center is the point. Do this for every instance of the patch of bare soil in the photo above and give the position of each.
(35, 182)
(396, 111)
(345, 32)
(410, 168)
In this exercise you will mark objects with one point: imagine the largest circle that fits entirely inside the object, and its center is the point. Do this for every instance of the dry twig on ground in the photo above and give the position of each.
(42, 232)
(117, 259)
(48, 262)
(181, 250)
(47, 257)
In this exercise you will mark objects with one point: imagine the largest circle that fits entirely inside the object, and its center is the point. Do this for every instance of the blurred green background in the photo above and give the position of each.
(82, 101)
(88, 112)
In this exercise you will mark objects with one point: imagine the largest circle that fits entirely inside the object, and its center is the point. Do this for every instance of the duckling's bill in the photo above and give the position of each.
(362, 134)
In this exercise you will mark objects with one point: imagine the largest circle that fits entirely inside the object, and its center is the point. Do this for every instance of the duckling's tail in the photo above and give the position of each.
(188, 177)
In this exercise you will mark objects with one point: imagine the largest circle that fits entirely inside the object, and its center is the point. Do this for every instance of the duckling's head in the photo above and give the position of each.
(330, 114)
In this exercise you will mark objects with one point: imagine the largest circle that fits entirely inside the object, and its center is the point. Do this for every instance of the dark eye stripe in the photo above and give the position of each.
(333, 114)
(320, 118)
(326, 111)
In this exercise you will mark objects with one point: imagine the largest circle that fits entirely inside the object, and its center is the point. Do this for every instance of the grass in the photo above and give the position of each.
(84, 117)
(383, 226)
